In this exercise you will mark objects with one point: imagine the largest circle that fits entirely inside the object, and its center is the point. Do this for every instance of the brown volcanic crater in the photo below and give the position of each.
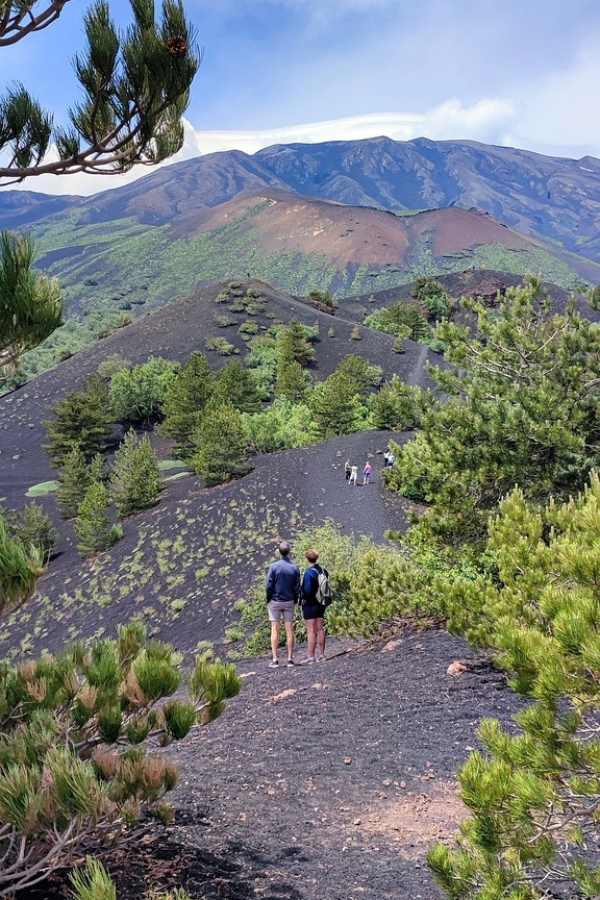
(288, 223)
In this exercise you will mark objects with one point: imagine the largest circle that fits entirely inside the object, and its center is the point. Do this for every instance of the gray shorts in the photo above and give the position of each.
(279, 611)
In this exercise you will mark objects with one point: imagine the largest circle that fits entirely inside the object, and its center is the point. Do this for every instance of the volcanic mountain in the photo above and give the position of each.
(552, 198)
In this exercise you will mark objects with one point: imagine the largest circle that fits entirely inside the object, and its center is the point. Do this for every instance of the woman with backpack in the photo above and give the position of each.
(316, 596)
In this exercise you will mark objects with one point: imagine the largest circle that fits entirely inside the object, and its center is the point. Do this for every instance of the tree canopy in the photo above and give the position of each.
(135, 89)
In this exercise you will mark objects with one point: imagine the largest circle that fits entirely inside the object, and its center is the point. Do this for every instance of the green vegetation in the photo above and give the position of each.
(73, 482)
(138, 394)
(74, 728)
(398, 406)
(220, 450)
(220, 345)
(135, 476)
(185, 398)
(494, 432)
(94, 527)
(20, 566)
(42, 489)
(33, 529)
(234, 384)
(282, 426)
(337, 407)
(533, 795)
(30, 303)
(403, 319)
(83, 419)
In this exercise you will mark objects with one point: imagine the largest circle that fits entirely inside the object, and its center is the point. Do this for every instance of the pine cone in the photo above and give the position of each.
(177, 47)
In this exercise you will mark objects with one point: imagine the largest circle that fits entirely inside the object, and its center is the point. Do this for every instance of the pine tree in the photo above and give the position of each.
(235, 384)
(93, 526)
(522, 409)
(135, 89)
(19, 567)
(292, 381)
(80, 420)
(80, 724)
(137, 394)
(293, 344)
(73, 482)
(398, 406)
(135, 477)
(534, 794)
(185, 399)
(30, 303)
(221, 445)
(33, 528)
(336, 406)
(74, 479)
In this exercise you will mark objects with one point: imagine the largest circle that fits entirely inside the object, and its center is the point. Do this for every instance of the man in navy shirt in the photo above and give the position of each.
(283, 591)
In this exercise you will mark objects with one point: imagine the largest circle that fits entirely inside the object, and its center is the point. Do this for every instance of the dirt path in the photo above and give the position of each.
(325, 781)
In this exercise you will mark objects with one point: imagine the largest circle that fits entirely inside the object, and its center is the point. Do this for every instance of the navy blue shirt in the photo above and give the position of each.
(283, 582)
(310, 584)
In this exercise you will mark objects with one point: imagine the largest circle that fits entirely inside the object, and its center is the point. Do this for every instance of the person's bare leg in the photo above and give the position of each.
(275, 640)
(311, 632)
(321, 635)
(289, 637)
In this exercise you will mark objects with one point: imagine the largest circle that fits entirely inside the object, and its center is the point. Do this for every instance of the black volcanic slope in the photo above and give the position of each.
(183, 564)
(175, 331)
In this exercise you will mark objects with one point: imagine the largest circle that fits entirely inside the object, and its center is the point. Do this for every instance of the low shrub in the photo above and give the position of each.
(138, 394)
(220, 345)
(73, 759)
(225, 321)
(33, 528)
(283, 426)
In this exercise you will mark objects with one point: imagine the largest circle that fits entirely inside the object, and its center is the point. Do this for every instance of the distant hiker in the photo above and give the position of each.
(353, 476)
(367, 472)
(347, 469)
(316, 597)
(283, 591)
(386, 459)
(391, 457)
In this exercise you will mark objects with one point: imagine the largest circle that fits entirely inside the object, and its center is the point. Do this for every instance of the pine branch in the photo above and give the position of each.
(135, 90)
(17, 20)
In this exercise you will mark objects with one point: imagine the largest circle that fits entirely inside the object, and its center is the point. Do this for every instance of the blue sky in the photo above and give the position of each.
(524, 73)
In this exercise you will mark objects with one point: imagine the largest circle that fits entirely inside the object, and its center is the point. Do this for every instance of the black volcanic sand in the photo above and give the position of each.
(175, 332)
(184, 563)
(324, 781)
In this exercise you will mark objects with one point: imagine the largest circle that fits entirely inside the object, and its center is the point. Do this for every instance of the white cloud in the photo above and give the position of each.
(482, 121)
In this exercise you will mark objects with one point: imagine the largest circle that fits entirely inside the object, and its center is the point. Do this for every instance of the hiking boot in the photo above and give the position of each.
(290, 664)
(274, 664)
(309, 660)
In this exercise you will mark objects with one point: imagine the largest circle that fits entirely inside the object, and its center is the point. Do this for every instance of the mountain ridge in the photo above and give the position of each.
(556, 199)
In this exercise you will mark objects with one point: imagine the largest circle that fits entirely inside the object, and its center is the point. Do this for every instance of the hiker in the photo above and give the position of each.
(386, 459)
(283, 592)
(367, 472)
(347, 469)
(316, 596)
(353, 475)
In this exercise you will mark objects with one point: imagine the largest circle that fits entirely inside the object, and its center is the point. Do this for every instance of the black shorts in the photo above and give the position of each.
(313, 611)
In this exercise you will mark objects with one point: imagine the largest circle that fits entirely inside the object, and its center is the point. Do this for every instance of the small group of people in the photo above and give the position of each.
(351, 473)
(287, 588)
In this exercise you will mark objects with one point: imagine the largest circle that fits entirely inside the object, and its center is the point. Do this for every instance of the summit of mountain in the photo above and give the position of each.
(552, 198)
